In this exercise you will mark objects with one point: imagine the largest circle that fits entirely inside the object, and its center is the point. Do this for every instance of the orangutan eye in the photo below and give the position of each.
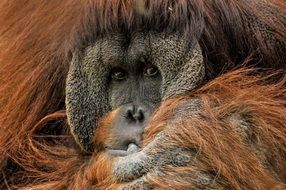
(118, 74)
(151, 71)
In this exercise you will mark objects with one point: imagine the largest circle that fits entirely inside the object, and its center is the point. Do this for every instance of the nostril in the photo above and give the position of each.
(135, 113)
(138, 114)
(129, 114)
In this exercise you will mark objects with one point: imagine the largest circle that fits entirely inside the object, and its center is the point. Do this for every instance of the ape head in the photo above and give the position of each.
(125, 57)
(131, 72)
(128, 57)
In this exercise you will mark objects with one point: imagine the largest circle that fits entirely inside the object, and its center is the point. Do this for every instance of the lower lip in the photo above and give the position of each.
(132, 148)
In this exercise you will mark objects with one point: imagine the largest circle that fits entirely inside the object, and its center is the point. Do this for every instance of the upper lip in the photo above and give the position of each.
(117, 152)
(122, 152)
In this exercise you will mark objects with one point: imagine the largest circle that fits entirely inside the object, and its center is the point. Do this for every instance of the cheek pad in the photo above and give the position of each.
(190, 76)
(86, 98)
(180, 61)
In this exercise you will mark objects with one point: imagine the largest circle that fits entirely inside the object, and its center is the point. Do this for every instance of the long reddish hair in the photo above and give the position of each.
(37, 39)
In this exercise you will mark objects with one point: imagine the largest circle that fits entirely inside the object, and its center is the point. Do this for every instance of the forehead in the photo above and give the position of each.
(136, 47)
(127, 39)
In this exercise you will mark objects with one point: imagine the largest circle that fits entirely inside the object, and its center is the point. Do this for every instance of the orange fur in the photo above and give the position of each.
(103, 134)
(216, 137)
(37, 39)
(251, 158)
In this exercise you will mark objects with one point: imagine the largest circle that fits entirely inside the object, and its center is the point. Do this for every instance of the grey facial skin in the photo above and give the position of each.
(93, 88)
(136, 169)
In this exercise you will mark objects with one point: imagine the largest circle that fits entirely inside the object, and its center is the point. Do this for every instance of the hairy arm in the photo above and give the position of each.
(232, 139)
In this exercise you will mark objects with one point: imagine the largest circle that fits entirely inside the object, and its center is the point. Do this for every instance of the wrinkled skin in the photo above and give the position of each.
(190, 143)
(132, 73)
(64, 59)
